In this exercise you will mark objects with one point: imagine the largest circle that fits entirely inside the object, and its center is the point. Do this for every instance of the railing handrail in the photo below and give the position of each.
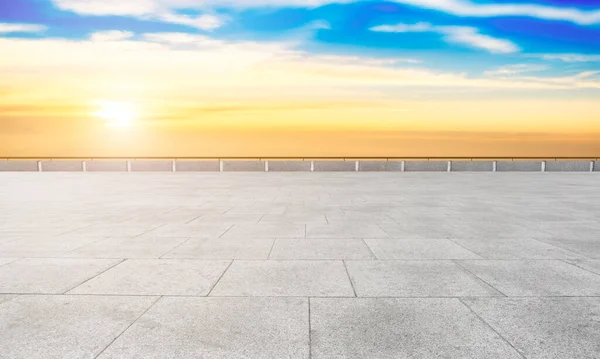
(305, 158)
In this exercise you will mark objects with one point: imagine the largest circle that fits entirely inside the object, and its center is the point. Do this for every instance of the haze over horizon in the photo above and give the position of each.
(299, 78)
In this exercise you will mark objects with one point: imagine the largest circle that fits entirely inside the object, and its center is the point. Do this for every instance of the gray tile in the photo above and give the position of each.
(114, 230)
(49, 275)
(588, 247)
(6, 297)
(514, 248)
(416, 229)
(284, 278)
(312, 218)
(214, 328)
(345, 230)
(266, 230)
(223, 248)
(196, 230)
(535, 277)
(43, 246)
(411, 248)
(65, 326)
(401, 328)
(545, 328)
(156, 277)
(593, 265)
(414, 279)
(305, 248)
(139, 247)
(7, 260)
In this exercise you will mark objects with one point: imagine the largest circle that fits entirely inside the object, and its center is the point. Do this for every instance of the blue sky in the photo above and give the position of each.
(344, 28)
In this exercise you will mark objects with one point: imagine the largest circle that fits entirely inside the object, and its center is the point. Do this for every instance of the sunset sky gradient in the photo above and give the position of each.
(299, 78)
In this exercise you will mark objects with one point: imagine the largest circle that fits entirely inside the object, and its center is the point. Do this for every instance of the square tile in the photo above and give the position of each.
(49, 275)
(156, 277)
(284, 278)
(43, 246)
(138, 247)
(401, 328)
(535, 277)
(416, 228)
(65, 326)
(306, 248)
(236, 328)
(418, 248)
(593, 265)
(223, 248)
(544, 328)
(267, 230)
(4, 261)
(6, 297)
(345, 230)
(414, 279)
(514, 248)
(200, 230)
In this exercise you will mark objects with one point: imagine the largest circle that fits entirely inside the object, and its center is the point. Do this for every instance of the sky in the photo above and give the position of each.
(268, 78)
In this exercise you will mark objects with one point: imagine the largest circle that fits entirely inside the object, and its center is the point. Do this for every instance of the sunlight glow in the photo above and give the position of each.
(117, 114)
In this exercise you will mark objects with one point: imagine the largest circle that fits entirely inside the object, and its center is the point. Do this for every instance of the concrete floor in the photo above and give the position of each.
(299, 265)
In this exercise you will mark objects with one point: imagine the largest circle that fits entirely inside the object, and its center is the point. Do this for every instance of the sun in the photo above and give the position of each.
(117, 114)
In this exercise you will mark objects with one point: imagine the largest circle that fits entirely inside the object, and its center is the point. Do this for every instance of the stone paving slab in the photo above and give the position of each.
(266, 230)
(211, 328)
(535, 277)
(401, 328)
(294, 239)
(6, 297)
(223, 248)
(593, 265)
(196, 230)
(345, 230)
(514, 248)
(414, 279)
(43, 246)
(41, 326)
(49, 275)
(284, 278)
(156, 277)
(305, 248)
(544, 328)
(411, 248)
(137, 247)
(7, 260)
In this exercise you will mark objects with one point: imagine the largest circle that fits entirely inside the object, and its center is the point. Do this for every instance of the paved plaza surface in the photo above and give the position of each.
(300, 265)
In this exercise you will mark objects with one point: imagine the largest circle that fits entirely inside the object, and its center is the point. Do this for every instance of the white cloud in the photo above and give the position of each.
(145, 9)
(516, 69)
(112, 35)
(187, 69)
(418, 27)
(205, 22)
(468, 8)
(571, 57)
(463, 35)
(470, 36)
(455, 7)
(6, 28)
